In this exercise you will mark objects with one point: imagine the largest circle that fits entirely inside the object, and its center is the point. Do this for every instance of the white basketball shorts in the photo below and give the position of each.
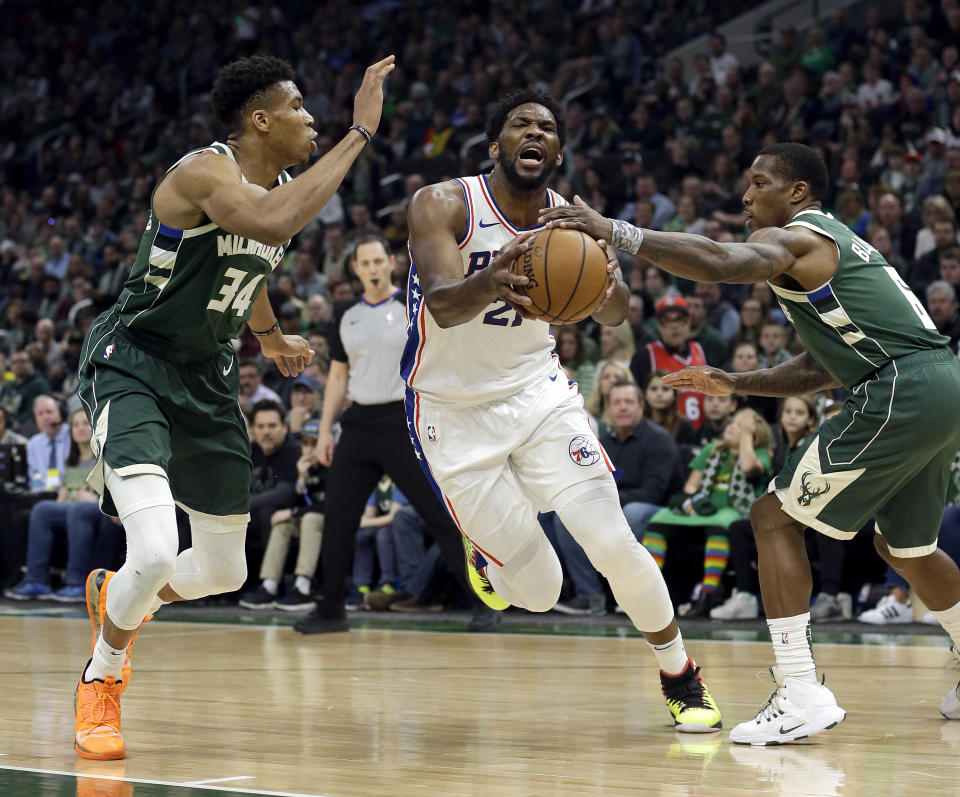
(498, 464)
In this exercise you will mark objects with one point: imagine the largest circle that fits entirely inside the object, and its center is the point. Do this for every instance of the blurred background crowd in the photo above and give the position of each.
(663, 118)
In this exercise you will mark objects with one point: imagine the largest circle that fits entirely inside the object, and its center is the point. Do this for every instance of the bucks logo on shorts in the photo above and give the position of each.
(808, 491)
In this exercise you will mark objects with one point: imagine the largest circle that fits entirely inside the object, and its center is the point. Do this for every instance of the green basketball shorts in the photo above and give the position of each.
(886, 456)
(166, 411)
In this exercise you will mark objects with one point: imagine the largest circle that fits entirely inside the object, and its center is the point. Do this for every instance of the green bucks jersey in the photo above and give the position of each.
(195, 288)
(864, 316)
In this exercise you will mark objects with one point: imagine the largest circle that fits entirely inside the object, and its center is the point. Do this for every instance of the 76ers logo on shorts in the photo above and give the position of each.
(583, 451)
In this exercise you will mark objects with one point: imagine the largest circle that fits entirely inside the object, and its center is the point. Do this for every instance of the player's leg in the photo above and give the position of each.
(407, 464)
(209, 476)
(591, 512)
(799, 705)
(505, 544)
(561, 465)
(885, 434)
(907, 530)
(786, 582)
(131, 440)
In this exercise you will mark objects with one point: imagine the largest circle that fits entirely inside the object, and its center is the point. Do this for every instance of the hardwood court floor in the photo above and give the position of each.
(260, 709)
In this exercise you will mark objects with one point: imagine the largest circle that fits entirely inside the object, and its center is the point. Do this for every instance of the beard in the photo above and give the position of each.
(522, 183)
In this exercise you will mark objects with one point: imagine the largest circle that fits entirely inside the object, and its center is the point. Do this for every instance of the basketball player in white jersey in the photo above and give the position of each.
(502, 432)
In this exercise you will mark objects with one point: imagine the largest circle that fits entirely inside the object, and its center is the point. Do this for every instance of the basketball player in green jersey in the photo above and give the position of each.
(886, 455)
(158, 372)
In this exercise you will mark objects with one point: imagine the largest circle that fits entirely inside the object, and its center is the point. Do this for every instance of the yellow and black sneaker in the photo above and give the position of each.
(690, 702)
(477, 577)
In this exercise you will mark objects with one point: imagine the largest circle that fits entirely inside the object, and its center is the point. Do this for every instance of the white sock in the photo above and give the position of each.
(950, 620)
(793, 646)
(672, 656)
(105, 662)
(302, 584)
(270, 585)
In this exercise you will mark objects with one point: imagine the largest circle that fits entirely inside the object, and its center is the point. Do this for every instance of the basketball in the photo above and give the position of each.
(568, 275)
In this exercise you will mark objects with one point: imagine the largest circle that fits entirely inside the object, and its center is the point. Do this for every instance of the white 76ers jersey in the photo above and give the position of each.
(497, 352)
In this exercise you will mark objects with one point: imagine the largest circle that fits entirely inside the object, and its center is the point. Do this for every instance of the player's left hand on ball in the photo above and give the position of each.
(503, 281)
(612, 266)
(291, 353)
(578, 216)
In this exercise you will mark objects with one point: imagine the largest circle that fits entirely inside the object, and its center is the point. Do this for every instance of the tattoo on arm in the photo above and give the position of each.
(802, 374)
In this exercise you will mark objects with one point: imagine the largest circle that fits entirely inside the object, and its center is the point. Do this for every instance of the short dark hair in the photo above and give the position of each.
(517, 97)
(621, 382)
(369, 238)
(267, 405)
(245, 83)
(798, 162)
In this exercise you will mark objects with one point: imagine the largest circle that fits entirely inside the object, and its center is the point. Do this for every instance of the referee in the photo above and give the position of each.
(366, 343)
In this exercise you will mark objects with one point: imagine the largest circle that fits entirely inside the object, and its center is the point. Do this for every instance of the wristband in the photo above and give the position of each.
(626, 236)
(274, 328)
(362, 131)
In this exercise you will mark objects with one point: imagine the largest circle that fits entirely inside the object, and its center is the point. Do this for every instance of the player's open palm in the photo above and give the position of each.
(704, 378)
(368, 104)
(578, 216)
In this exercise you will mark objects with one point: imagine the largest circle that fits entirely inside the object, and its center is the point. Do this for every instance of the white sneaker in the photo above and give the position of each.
(888, 611)
(929, 619)
(795, 710)
(739, 606)
(950, 706)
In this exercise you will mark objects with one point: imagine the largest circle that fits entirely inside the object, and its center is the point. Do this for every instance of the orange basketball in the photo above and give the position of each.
(568, 275)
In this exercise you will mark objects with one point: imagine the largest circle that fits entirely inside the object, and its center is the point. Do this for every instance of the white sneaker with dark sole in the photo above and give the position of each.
(795, 710)
(950, 706)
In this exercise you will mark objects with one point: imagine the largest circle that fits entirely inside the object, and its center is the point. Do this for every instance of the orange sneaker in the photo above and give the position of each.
(97, 583)
(97, 709)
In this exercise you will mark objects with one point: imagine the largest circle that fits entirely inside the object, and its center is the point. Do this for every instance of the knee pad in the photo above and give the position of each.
(538, 575)
(532, 578)
(592, 514)
(217, 560)
(152, 542)
(139, 491)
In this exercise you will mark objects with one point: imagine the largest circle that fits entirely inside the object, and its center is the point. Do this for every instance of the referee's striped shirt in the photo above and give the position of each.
(370, 338)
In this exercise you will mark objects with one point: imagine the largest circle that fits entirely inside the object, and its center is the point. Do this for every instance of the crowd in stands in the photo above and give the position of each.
(96, 103)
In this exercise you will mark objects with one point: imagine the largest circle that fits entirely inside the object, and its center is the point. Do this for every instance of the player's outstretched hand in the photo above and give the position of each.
(578, 216)
(503, 281)
(368, 104)
(704, 378)
(291, 353)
